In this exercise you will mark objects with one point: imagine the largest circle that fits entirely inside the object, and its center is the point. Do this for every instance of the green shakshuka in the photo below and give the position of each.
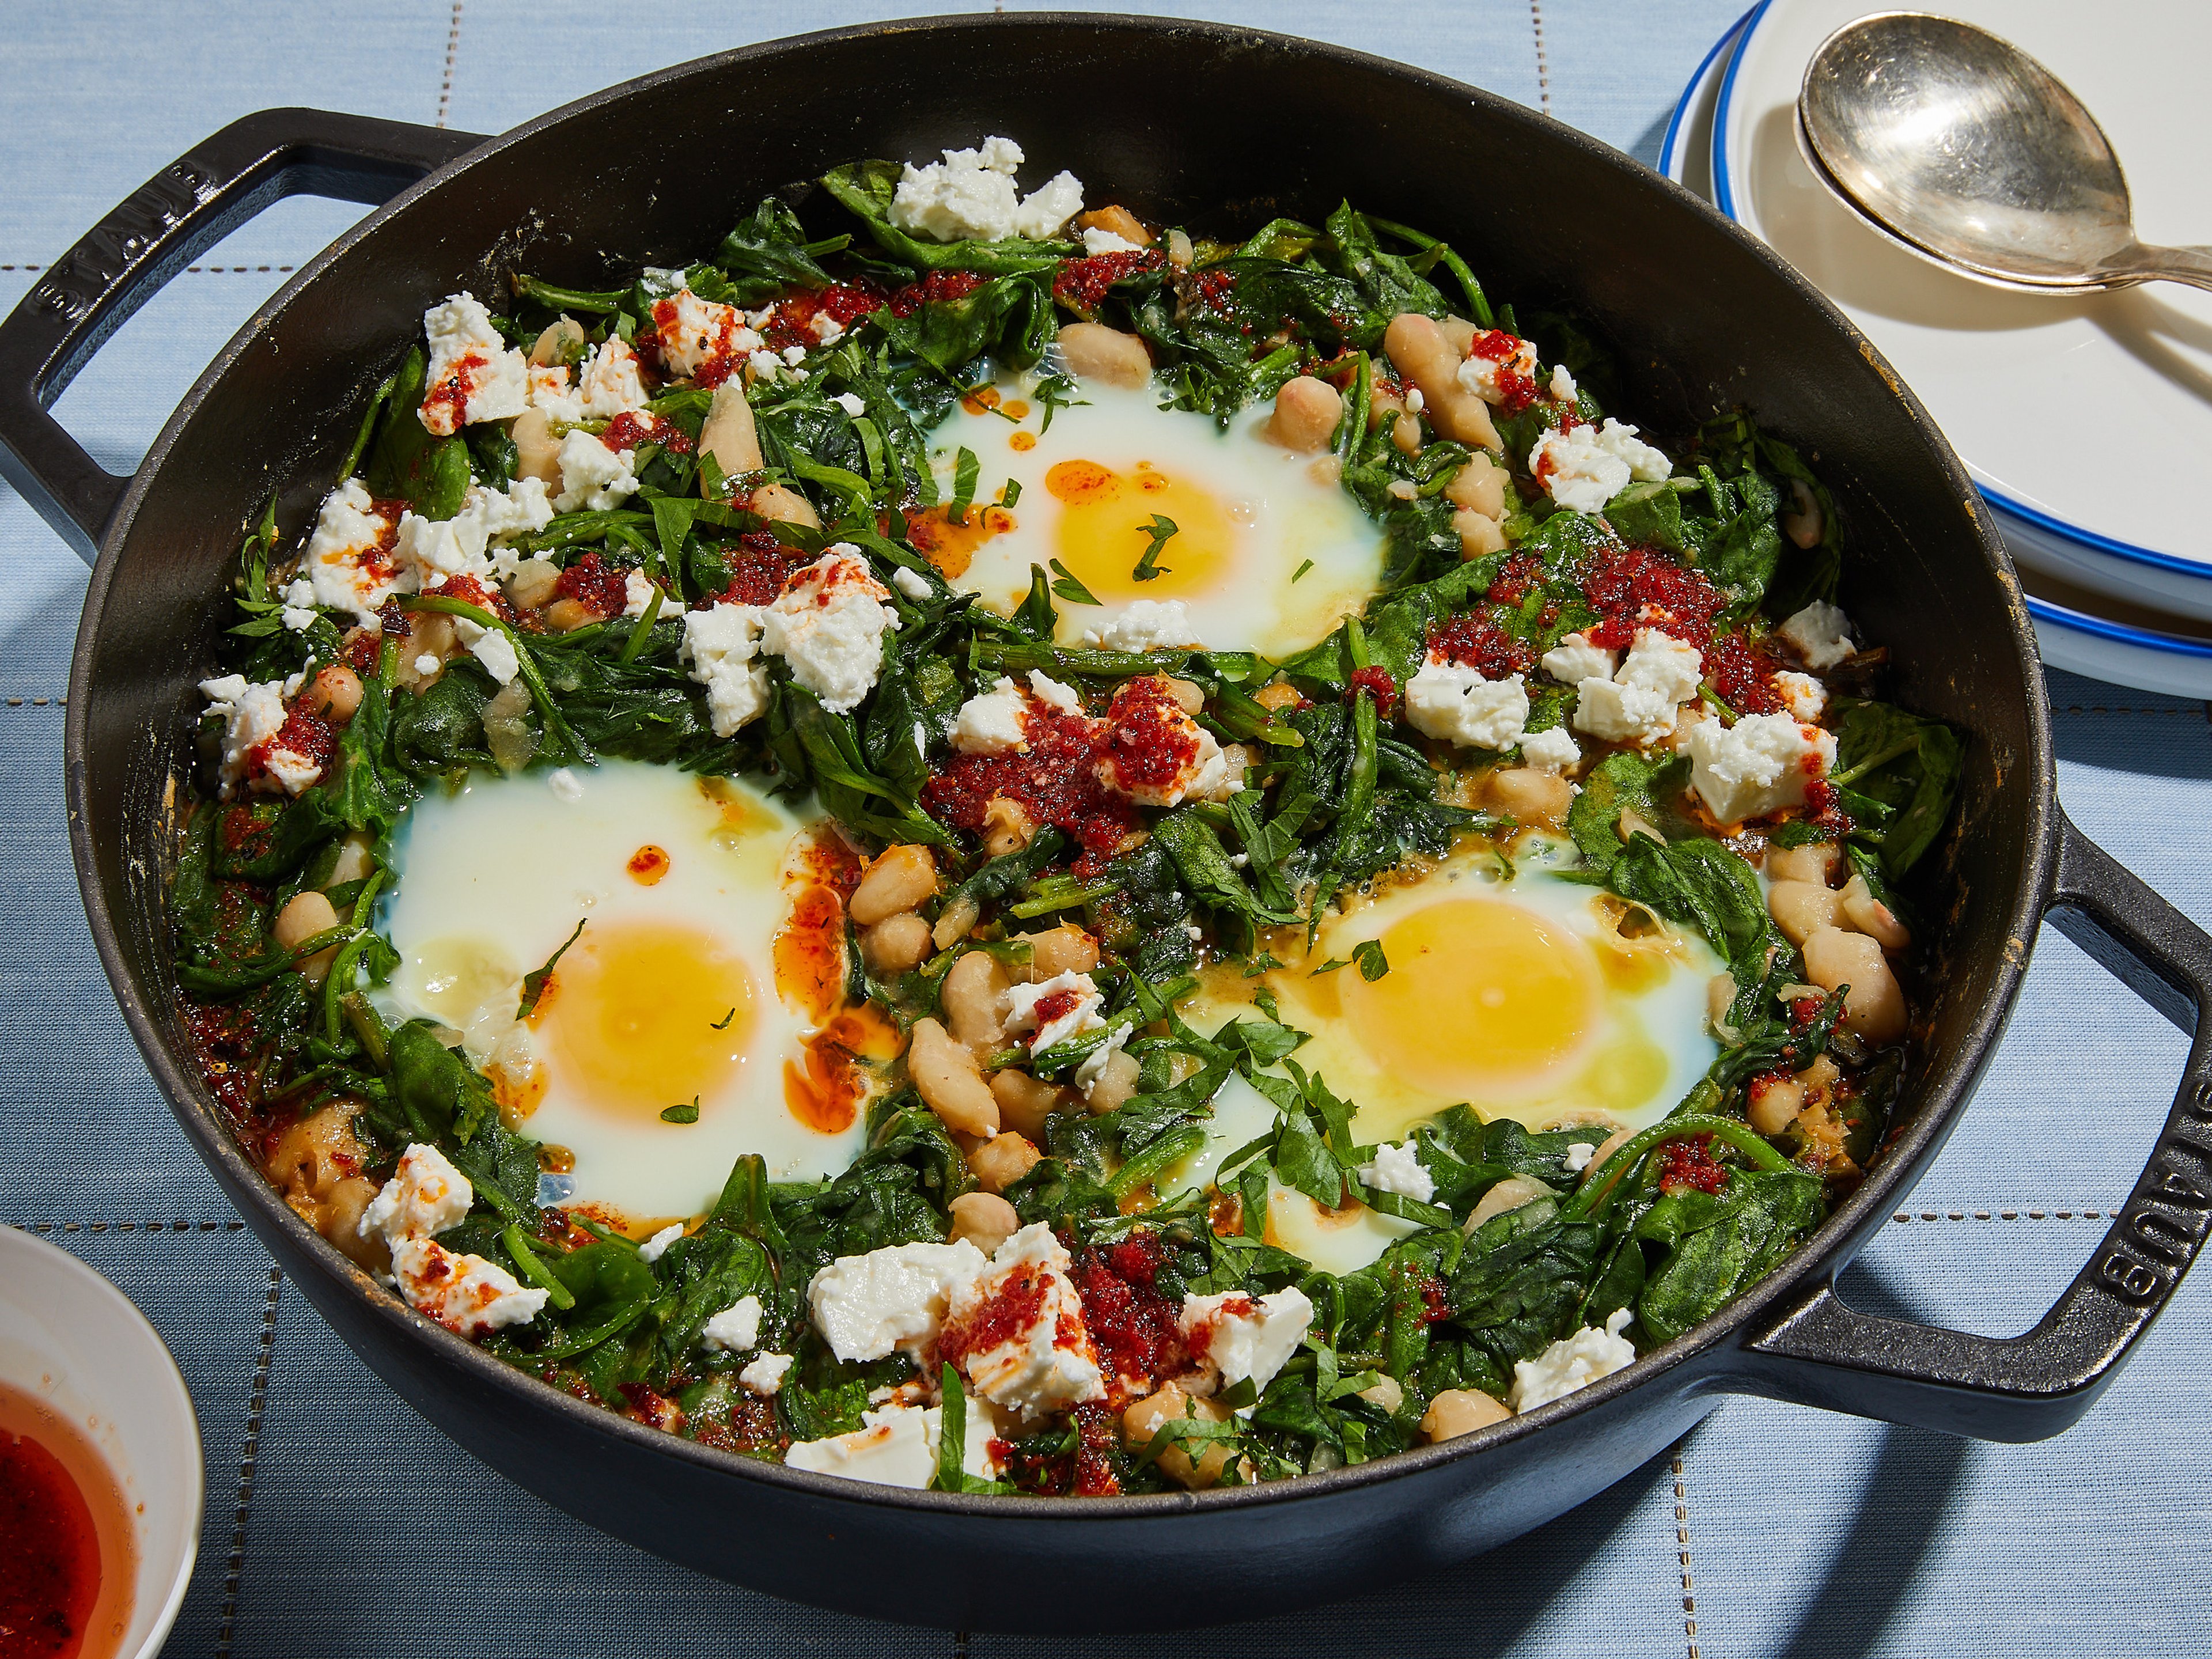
(982, 843)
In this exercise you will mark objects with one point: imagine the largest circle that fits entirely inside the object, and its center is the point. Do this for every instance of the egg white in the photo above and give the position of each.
(492, 878)
(1645, 1044)
(1279, 516)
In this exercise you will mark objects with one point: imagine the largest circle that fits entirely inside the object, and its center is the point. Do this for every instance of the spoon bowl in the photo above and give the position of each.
(1971, 153)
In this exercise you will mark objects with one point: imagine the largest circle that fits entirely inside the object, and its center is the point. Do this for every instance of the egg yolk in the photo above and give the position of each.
(1483, 1001)
(1106, 524)
(648, 1015)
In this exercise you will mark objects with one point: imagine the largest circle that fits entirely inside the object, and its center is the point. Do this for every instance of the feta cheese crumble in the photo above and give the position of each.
(1575, 659)
(1801, 694)
(1043, 1363)
(1584, 469)
(1821, 633)
(734, 1329)
(865, 1306)
(851, 403)
(722, 646)
(474, 374)
(652, 1250)
(971, 194)
(990, 723)
(1579, 1153)
(1096, 241)
(1150, 725)
(466, 1294)
(1486, 376)
(1552, 749)
(1047, 689)
(1758, 767)
(912, 583)
(1639, 704)
(593, 478)
(251, 715)
(1572, 1361)
(1452, 701)
(829, 625)
(765, 1375)
(1243, 1336)
(346, 558)
(1145, 625)
(896, 1447)
(566, 786)
(693, 331)
(610, 384)
(1082, 1016)
(1400, 1169)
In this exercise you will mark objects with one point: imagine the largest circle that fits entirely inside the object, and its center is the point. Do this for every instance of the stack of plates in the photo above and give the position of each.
(2086, 423)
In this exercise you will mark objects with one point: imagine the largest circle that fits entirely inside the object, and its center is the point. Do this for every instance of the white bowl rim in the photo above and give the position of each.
(1724, 198)
(155, 1353)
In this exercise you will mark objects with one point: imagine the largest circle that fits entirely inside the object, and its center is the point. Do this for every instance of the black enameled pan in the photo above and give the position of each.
(1189, 123)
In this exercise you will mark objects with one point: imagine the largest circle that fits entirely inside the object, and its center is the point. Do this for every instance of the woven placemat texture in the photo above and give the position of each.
(338, 1523)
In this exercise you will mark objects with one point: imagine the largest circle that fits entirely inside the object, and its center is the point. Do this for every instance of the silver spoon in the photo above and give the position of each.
(1972, 153)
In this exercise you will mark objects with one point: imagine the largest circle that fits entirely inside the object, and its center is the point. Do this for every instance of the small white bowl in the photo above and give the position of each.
(72, 1340)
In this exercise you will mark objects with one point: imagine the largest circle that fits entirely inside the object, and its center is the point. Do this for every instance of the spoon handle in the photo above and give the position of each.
(2192, 265)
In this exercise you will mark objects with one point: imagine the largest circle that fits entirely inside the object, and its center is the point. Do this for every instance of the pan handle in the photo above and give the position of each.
(1821, 1352)
(148, 237)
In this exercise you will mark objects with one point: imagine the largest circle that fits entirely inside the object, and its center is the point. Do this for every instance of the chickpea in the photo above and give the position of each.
(1307, 412)
(1605, 1148)
(1386, 1393)
(1456, 1412)
(1801, 909)
(1116, 220)
(1872, 917)
(1510, 1193)
(955, 924)
(1180, 251)
(1094, 352)
(1277, 696)
(1459, 335)
(1406, 433)
(1007, 826)
(899, 880)
(1024, 1103)
(1189, 695)
(1477, 535)
(1804, 523)
(895, 944)
(1066, 949)
(307, 915)
(334, 693)
(1001, 1161)
(534, 583)
(1529, 796)
(1817, 863)
(355, 859)
(1422, 353)
(974, 997)
(1479, 487)
(1141, 1421)
(563, 339)
(1775, 1103)
(779, 505)
(566, 616)
(341, 1224)
(984, 1219)
(950, 1083)
(728, 433)
(1114, 1085)
(536, 451)
(1720, 996)
(314, 1152)
(1875, 1008)
(433, 636)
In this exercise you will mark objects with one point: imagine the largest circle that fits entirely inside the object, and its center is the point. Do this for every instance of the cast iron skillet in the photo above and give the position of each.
(1232, 125)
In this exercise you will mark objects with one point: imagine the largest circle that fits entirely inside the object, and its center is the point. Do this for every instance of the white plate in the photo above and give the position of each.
(72, 1341)
(2087, 418)
(2125, 645)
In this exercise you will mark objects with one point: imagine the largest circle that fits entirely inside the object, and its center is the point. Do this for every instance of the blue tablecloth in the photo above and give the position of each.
(337, 1523)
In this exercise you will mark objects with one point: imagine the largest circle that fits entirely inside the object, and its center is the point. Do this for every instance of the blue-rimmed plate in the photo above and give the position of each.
(2084, 632)
(2087, 418)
